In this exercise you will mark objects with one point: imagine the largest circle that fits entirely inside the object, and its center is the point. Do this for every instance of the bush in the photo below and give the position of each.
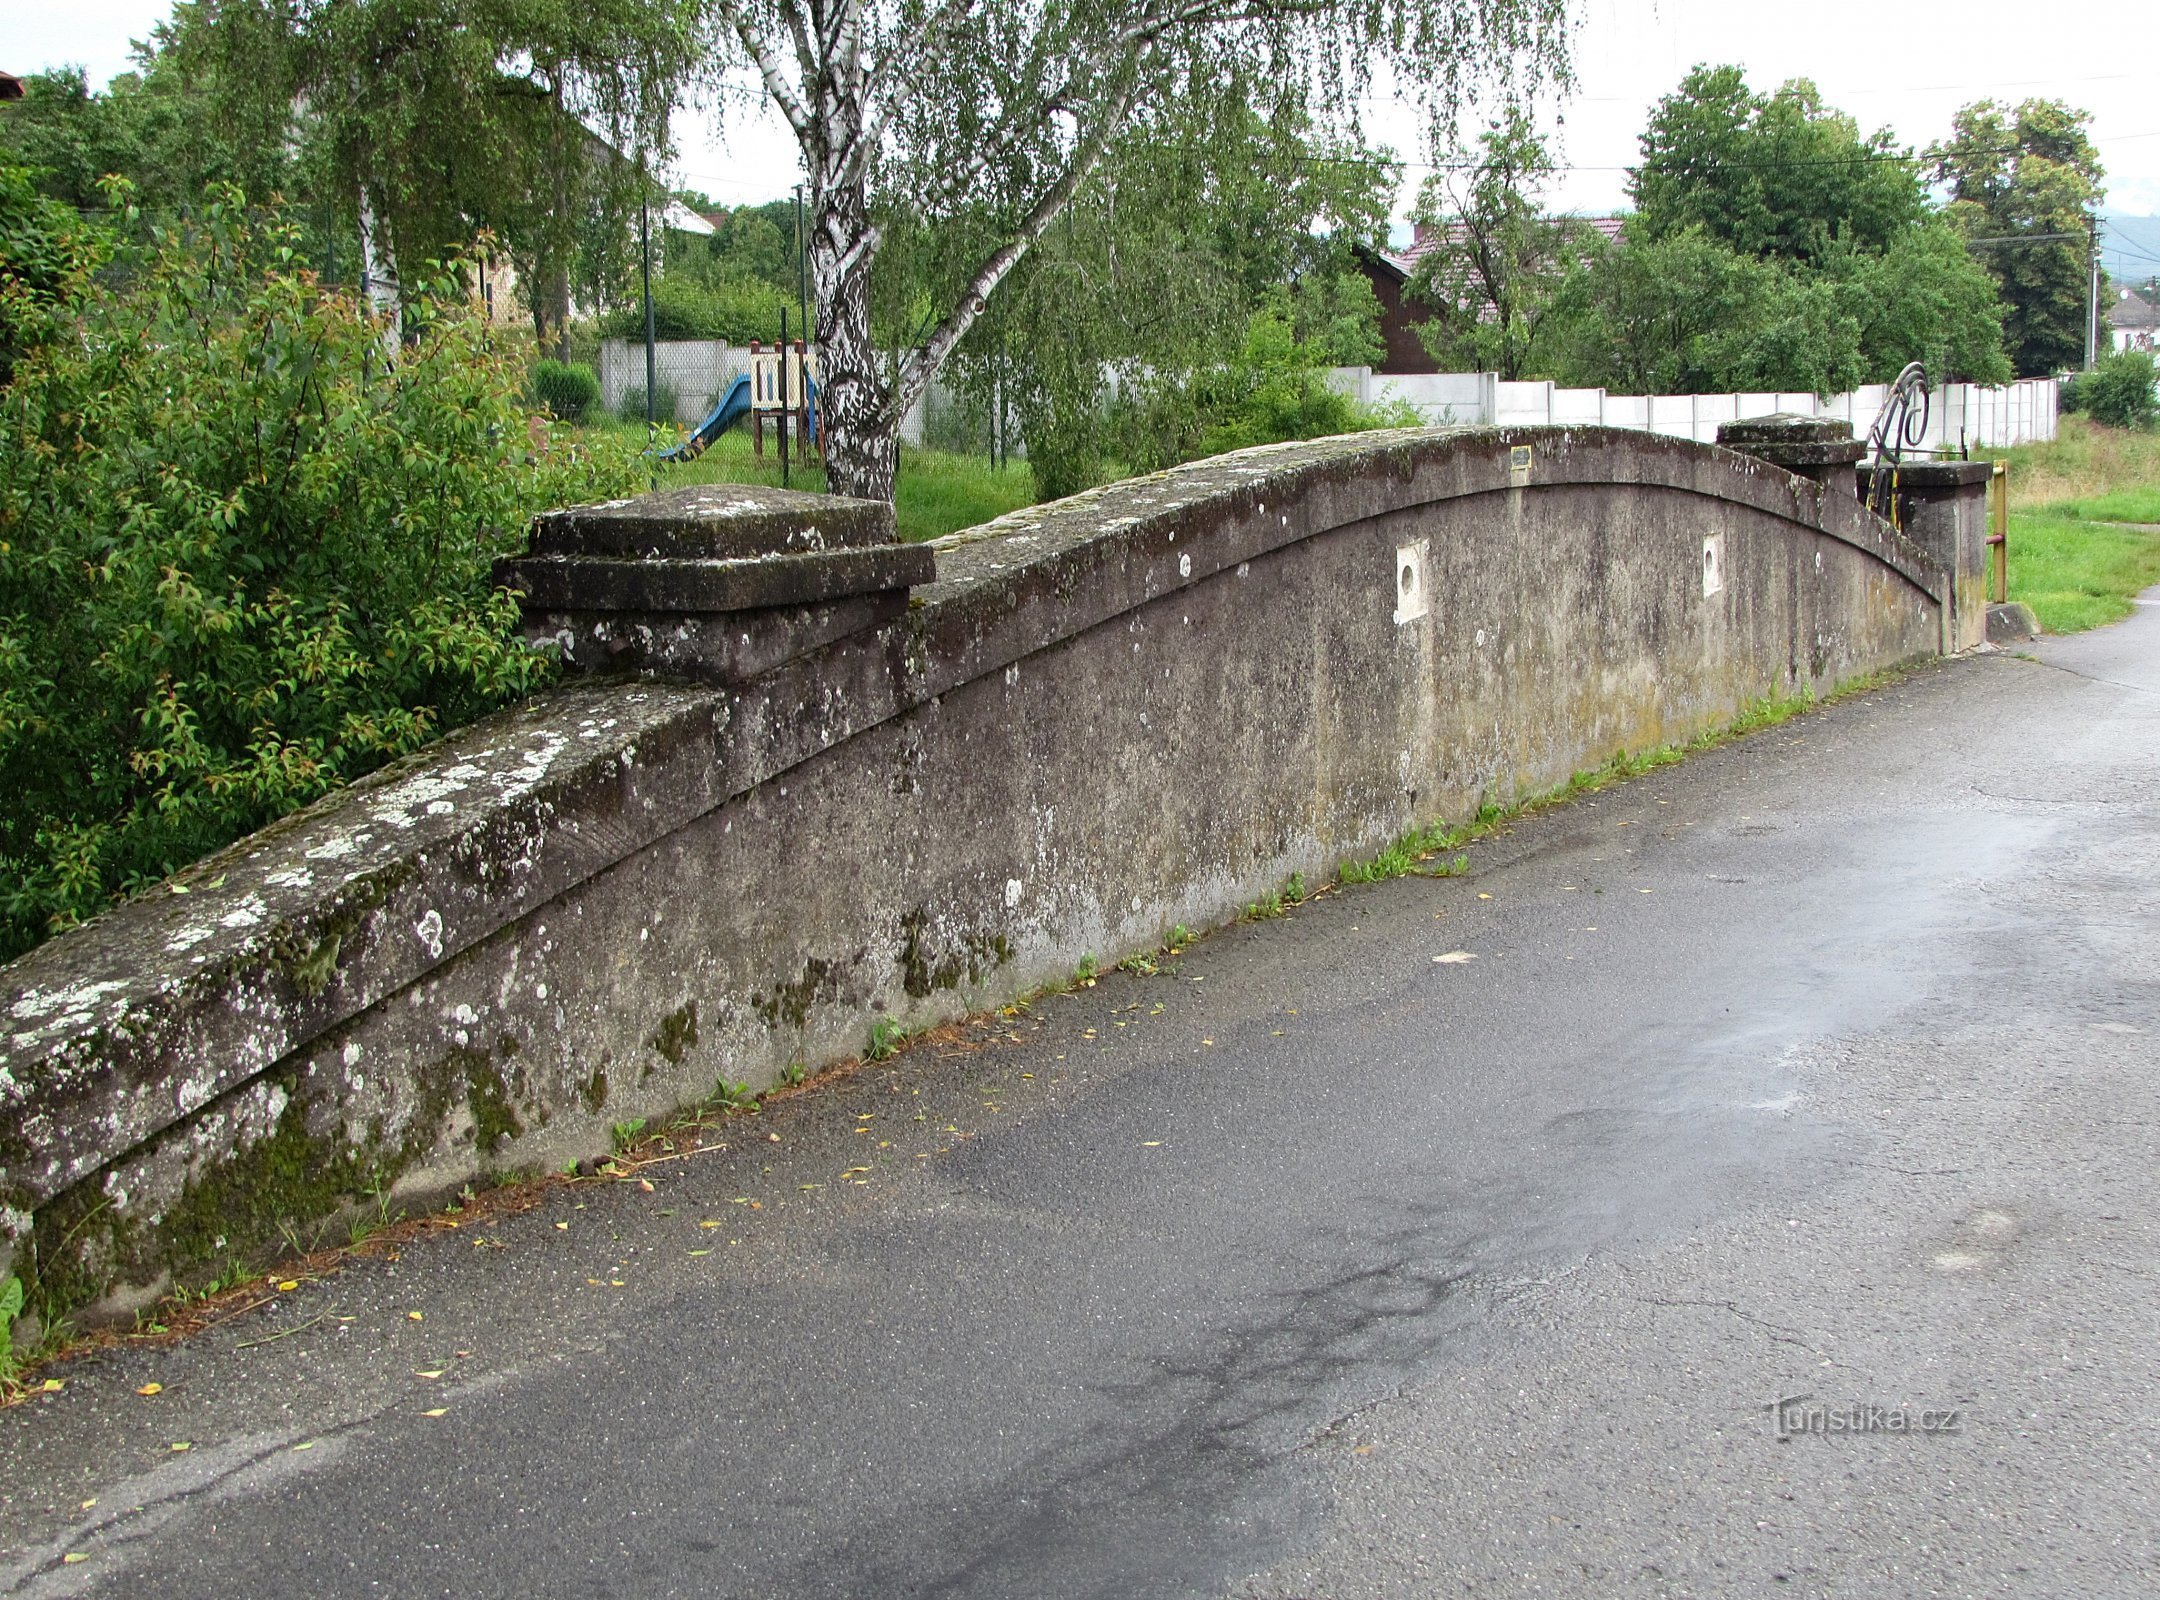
(243, 557)
(2119, 390)
(665, 402)
(569, 389)
(735, 309)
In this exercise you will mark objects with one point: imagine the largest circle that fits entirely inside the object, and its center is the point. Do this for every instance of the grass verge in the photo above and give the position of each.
(2065, 562)
(936, 492)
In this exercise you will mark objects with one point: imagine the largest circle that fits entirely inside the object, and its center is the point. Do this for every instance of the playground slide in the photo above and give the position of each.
(733, 406)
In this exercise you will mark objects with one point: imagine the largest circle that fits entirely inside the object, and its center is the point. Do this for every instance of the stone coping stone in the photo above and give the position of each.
(598, 583)
(1935, 474)
(1793, 440)
(716, 521)
(116, 1030)
(711, 647)
(1783, 427)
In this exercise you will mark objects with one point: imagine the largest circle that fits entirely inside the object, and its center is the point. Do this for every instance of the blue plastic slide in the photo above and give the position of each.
(733, 406)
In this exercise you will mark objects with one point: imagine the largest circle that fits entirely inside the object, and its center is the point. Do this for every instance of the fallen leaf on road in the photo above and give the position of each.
(305, 1444)
(52, 1386)
(286, 1286)
(1454, 958)
(430, 1376)
(438, 1411)
(72, 1557)
(701, 1252)
(1150, 1144)
(415, 1316)
(645, 1184)
(709, 1224)
(151, 1388)
(182, 1444)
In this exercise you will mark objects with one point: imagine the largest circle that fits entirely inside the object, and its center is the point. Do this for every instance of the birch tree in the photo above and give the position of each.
(966, 110)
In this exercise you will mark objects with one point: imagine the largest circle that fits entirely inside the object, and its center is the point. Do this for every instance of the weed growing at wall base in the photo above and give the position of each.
(1412, 855)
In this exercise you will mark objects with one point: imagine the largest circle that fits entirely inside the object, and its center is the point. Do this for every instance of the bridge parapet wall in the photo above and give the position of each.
(1145, 705)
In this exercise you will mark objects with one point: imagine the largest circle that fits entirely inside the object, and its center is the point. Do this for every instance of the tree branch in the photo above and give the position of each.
(760, 53)
(922, 363)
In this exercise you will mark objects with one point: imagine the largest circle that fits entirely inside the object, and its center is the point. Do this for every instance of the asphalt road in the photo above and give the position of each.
(1821, 1066)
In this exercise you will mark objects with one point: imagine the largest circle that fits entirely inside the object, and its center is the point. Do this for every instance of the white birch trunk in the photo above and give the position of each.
(378, 279)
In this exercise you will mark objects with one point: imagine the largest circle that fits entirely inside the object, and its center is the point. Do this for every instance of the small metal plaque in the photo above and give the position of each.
(1518, 465)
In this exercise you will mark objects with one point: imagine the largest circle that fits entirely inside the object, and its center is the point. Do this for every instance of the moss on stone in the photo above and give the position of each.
(677, 1034)
(977, 955)
(791, 1002)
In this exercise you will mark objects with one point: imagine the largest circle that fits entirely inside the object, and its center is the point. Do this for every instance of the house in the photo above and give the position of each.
(11, 87)
(2134, 319)
(1389, 272)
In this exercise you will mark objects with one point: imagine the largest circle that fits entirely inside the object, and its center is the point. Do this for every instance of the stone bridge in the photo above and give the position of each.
(802, 781)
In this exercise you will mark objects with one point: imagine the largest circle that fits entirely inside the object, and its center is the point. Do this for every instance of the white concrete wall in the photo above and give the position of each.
(1960, 415)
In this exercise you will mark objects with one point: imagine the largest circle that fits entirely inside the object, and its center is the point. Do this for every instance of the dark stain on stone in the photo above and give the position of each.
(677, 1034)
(791, 1002)
(921, 971)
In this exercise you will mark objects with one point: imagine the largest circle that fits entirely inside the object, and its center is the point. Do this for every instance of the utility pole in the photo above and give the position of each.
(652, 357)
(2092, 298)
(802, 285)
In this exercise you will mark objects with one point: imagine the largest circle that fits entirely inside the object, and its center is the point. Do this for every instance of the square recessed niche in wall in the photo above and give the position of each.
(1410, 601)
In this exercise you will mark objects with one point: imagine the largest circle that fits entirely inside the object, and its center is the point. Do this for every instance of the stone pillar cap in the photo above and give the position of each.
(1793, 440)
(718, 582)
(714, 521)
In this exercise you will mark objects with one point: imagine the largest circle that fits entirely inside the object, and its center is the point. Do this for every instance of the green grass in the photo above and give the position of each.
(2125, 505)
(2078, 574)
(937, 492)
(2072, 570)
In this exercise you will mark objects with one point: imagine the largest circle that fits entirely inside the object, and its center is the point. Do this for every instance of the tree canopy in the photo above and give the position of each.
(1497, 257)
(433, 120)
(2027, 182)
(1778, 176)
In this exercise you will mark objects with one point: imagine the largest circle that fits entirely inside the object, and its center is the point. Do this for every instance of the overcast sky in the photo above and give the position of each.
(1888, 62)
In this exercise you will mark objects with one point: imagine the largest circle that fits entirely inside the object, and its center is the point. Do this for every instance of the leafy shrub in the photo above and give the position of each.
(735, 309)
(11, 1304)
(569, 389)
(665, 402)
(243, 555)
(46, 254)
(2119, 390)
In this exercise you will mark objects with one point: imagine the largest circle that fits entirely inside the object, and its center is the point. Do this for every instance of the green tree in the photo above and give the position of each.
(1780, 176)
(1687, 313)
(2028, 181)
(241, 561)
(984, 119)
(438, 120)
(156, 126)
(1497, 258)
(1923, 298)
(1203, 211)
